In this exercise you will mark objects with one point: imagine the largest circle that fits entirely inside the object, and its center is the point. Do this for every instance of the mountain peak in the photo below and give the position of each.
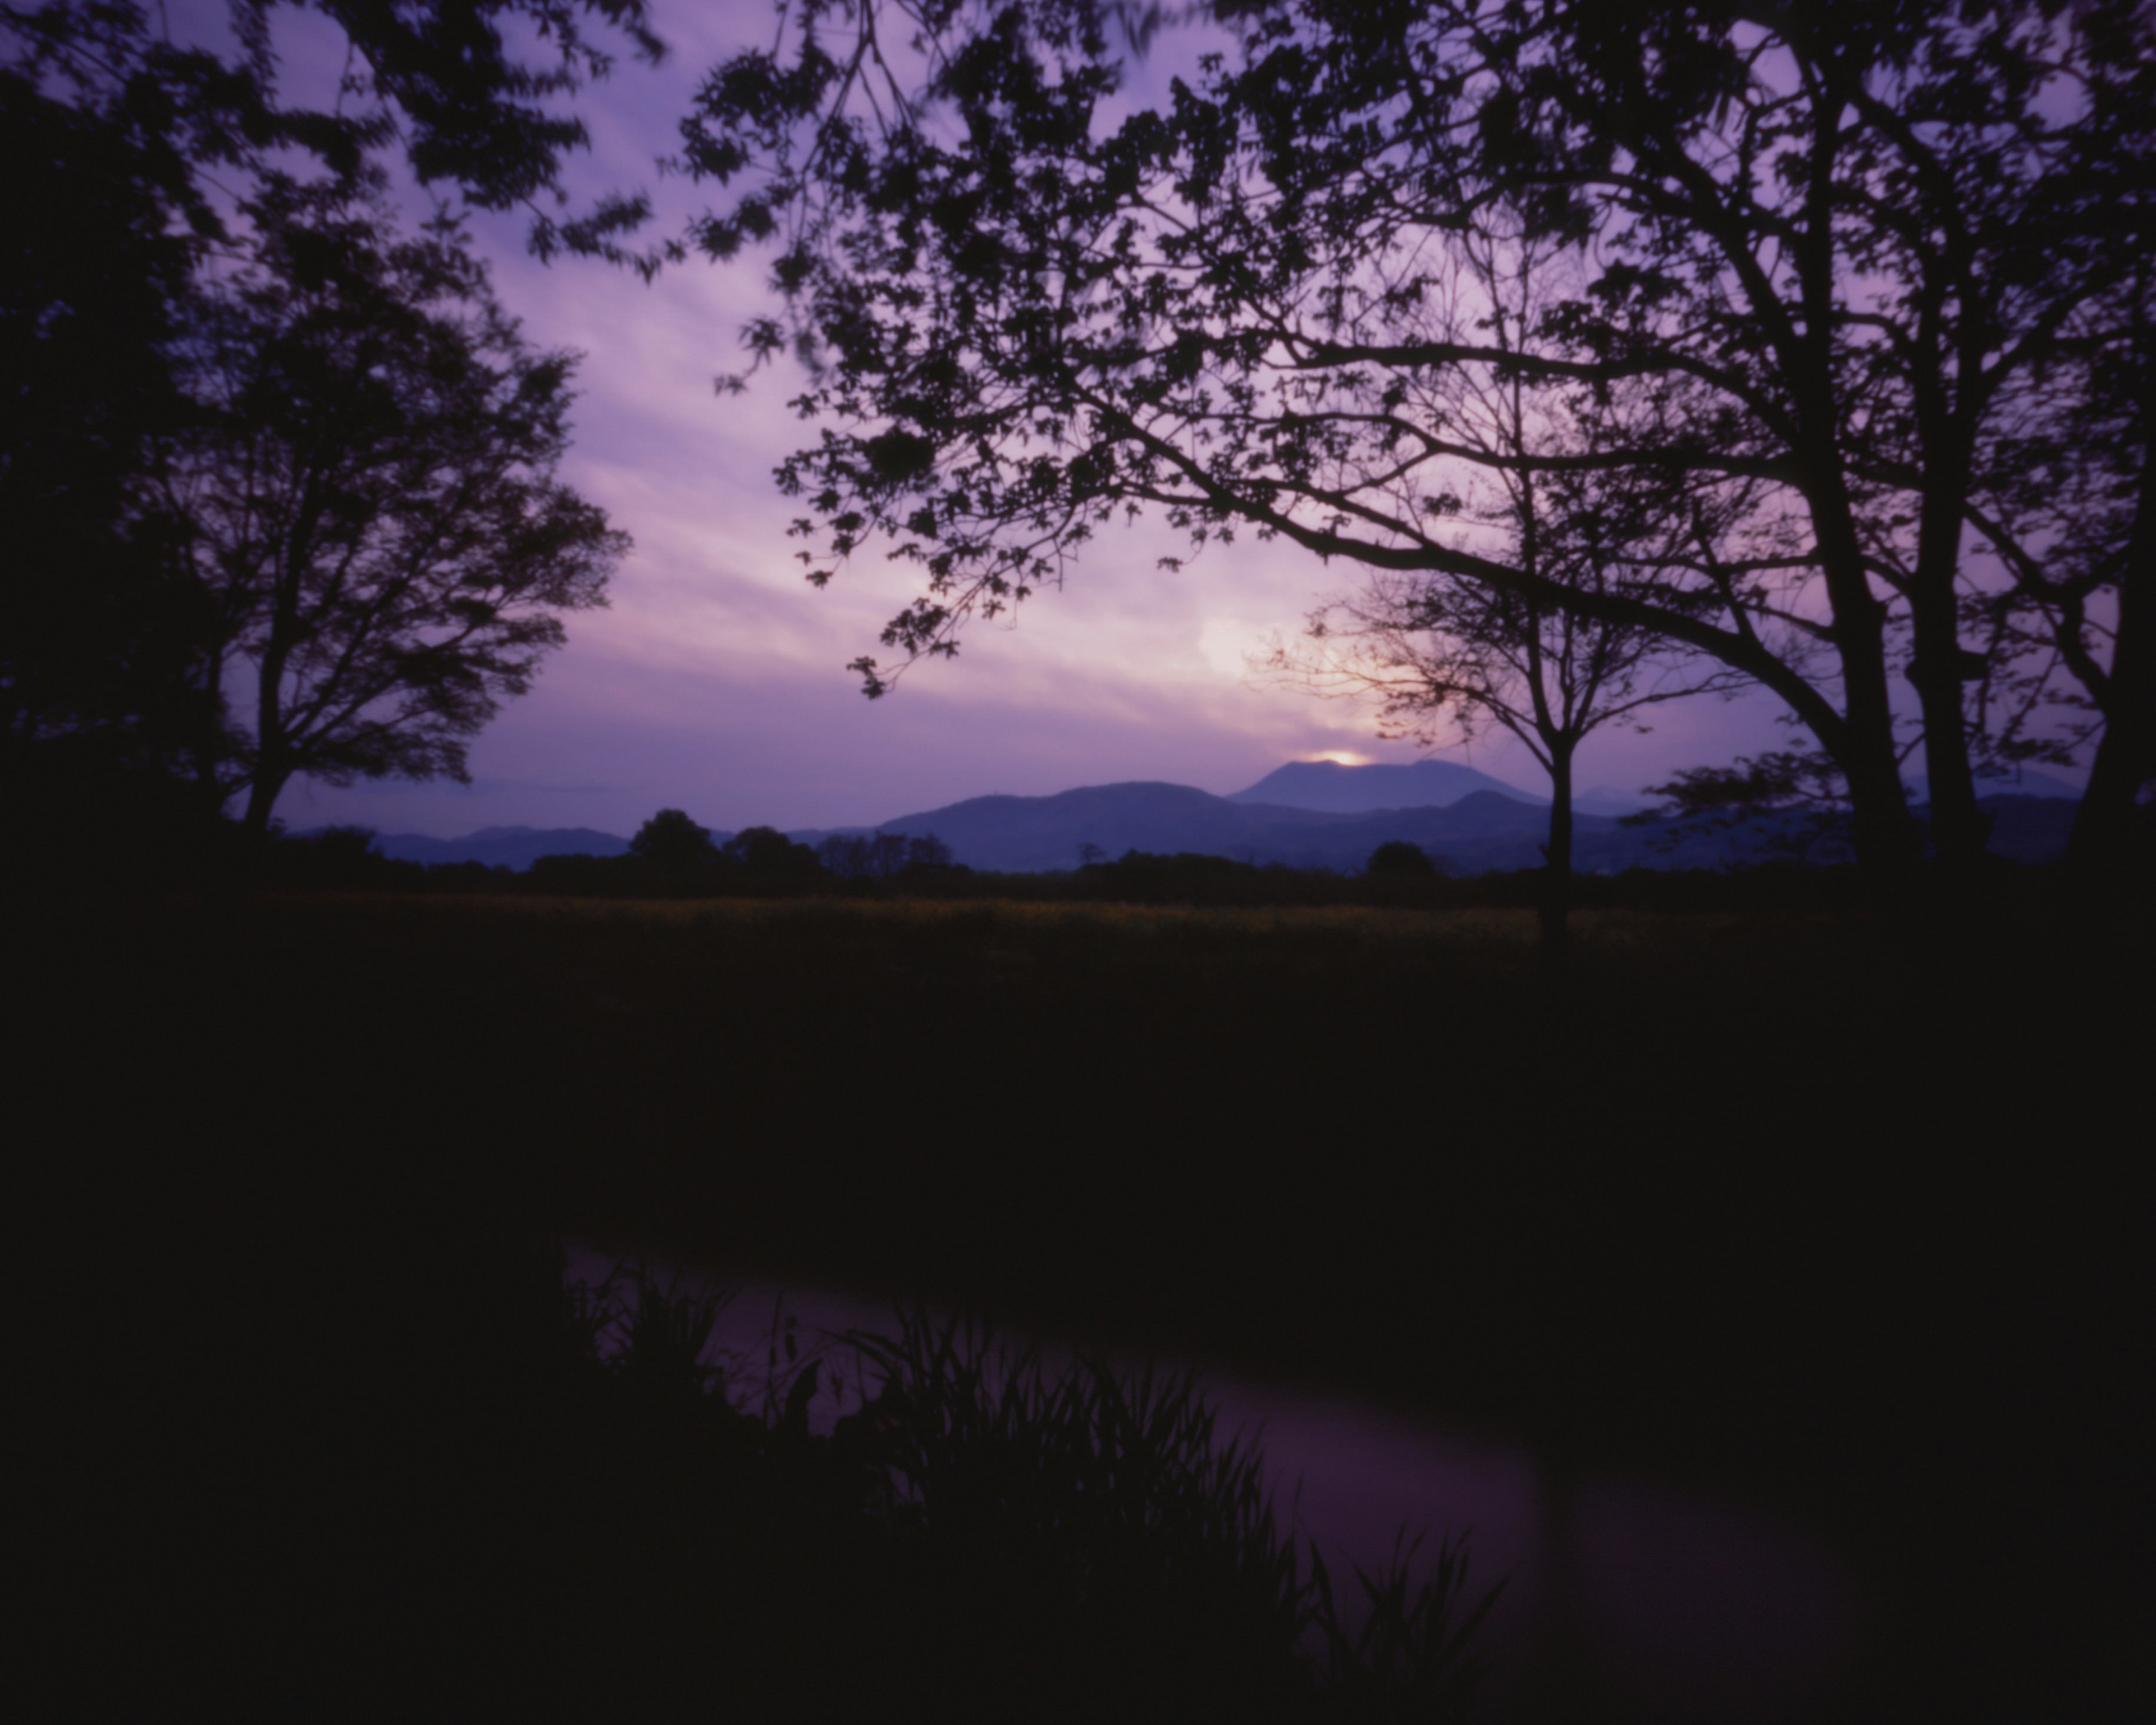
(1334, 789)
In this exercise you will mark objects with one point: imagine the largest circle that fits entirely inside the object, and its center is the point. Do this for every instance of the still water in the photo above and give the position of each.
(1674, 1606)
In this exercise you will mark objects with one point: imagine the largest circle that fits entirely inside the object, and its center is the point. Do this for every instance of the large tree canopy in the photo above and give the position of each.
(199, 466)
(98, 625)
(476, 93)
(1827, 252)
(371, 498)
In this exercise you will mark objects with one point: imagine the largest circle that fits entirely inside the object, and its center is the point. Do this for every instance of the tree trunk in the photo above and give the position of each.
(1939, 666)
(272, 758)
(1881, 830)
(2101, 845)
(2125, 757)
(1960, 829)
(1883, 833)
(1555, 910)
(261, 798)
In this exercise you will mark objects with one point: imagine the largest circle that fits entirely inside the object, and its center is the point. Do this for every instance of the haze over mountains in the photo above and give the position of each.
(1339, 790)
(1028, 833)
(1305, 815)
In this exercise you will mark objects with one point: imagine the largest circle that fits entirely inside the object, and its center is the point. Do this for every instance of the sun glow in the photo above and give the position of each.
(1343, 758)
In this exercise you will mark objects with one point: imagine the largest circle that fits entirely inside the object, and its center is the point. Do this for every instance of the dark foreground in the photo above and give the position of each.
(1832, 1216)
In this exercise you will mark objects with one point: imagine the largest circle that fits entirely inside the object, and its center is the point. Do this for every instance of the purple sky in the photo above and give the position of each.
(716, 681)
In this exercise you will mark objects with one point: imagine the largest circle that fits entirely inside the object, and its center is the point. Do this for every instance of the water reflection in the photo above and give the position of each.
(1621, 1596)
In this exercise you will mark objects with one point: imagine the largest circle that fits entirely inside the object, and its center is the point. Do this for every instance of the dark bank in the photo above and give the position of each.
(303, 1158)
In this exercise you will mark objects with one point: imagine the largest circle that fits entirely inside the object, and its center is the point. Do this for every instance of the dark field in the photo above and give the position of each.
(1832, 1216)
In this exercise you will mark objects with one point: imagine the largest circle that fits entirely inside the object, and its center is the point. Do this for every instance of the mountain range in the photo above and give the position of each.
(1337, 789)
(1305, 815)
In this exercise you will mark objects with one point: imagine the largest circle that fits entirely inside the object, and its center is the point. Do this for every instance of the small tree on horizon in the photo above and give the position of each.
(768, 856)
(1397, 859)
(674, 841)
(1446, 657)
(882, 856)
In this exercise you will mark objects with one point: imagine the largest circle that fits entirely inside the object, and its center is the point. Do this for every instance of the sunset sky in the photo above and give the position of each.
(716, 683)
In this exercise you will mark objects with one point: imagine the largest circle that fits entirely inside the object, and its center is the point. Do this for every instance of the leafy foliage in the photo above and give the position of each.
(671, 839)
(1397, 857)
(1822, 256)
(370, 494)
(766, 855)
(473, 92)
(217, 340)
(100, 626)
(1793, 799)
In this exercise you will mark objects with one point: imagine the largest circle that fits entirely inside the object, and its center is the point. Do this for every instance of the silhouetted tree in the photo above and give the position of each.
(1447, 656)
(671, 841)
(2068, 504)
(1831, 242)
(1397, 859)
(101, 623)
(130, 144)
(883, 857)
(1790, 800)
(339, 857)
(876, 857)
(926, 854)
(768, 857)
(371, 495)
(474, 92)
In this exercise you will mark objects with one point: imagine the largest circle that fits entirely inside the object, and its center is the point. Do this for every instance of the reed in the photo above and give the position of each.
(1053, 1537)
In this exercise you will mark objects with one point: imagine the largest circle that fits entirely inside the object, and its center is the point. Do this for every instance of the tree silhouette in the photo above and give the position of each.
(767, 856)
(101, 621)
(1446, 656)
(372, 495)
(1837, 248)
(671, 841)
(1397, 859)
(886, 857)
(2068, 505)
(140, 182)
(477, 94)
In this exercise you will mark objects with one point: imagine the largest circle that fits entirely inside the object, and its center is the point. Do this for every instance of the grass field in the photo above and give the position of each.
(1820, 1211)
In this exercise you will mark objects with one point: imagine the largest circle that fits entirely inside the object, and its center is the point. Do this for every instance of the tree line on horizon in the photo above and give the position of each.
(672, 857)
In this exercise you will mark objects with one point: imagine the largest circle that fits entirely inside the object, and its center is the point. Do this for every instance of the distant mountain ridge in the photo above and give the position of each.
(1333, 787)
(1480, 824)
(1028, 833)
(1336, 788)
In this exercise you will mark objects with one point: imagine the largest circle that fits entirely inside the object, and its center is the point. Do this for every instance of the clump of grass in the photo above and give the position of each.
(1004, 1536)
(1413, 1650)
